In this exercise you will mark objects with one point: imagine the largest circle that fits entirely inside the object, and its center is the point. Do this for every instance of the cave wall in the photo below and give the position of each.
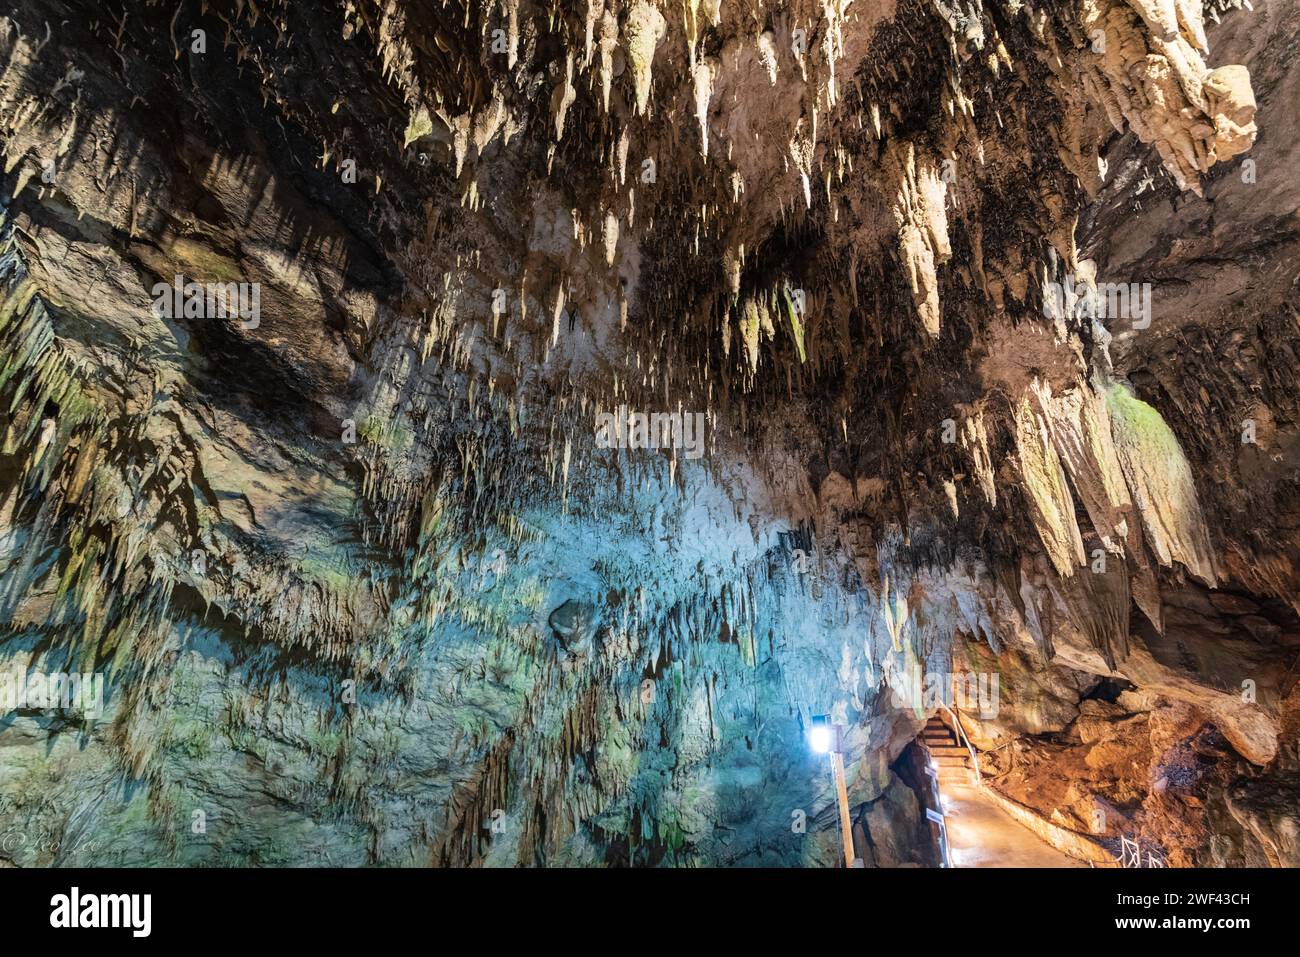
(364, 584)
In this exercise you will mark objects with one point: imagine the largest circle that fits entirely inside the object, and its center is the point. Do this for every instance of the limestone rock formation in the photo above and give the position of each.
(487, 433)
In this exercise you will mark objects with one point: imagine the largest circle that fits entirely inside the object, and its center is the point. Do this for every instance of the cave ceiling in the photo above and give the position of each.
(978, 321)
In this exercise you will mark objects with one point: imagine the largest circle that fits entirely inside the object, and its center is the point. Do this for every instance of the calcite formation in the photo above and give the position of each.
(1150, 75)
(363, 584)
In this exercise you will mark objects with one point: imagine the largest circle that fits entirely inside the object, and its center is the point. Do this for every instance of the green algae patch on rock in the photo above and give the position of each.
(1160, 481)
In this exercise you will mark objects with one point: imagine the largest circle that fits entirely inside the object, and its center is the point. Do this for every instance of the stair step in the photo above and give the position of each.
(950, 757)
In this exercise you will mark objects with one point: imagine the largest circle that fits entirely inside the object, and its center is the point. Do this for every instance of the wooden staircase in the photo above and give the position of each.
(950, 758)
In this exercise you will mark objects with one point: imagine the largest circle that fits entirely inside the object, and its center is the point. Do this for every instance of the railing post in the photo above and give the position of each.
(842, 797)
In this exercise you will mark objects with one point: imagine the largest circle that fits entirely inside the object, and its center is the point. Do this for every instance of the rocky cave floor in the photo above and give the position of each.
(330, 333)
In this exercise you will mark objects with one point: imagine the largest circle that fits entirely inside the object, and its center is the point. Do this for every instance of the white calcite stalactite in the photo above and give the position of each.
(767, 55)
(490, 122)
(563, 97)
(642, 33)
(918, 204)
(975, 440)
(1079, 423)
(608, 46)
(557, 313)
(750, 325)
(1080, 430)
(703, 77)
(733, 261)
(801, 155)
(833, 44)
(1048, 493)
(610, 237)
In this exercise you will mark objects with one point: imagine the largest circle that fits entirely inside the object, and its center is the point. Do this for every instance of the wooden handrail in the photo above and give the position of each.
(961, 736)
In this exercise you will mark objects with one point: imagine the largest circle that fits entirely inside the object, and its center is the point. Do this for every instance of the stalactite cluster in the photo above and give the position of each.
(364, 552)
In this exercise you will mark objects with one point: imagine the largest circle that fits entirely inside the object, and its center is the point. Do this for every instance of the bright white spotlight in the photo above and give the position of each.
(820, 736)
(821, 739)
